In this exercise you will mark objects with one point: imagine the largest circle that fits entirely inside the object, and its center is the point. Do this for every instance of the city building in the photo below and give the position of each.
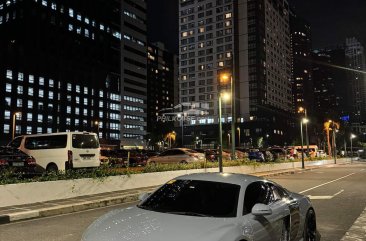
(162, 83)
(355, 60)
(330, 84)
(133, 74)
(302, 86)
(60, 67)
(251, 39)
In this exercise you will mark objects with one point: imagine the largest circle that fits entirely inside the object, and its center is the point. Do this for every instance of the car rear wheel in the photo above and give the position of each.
(52, 168)
(183, 162)
(310, 226)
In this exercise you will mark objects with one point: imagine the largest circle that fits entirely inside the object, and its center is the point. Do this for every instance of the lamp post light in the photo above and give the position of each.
(13, 127)
(238, 129)
(303, 121)
(96, 123)
(181, 116)
(352, 137)
(303, 110)
(222, 96)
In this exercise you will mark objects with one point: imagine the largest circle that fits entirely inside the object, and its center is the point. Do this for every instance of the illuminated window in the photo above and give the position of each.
(20, 76)
(6, 129)
(41, 81)
(71, 12)
(29, 117)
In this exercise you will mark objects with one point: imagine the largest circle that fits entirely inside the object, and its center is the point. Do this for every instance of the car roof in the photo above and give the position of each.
(233, 178)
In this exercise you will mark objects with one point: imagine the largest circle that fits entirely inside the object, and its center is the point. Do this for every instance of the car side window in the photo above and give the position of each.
(256, 192)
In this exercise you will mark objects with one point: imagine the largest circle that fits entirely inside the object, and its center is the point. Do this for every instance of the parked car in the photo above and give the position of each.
(14, 160)
(177, 155)
(321, 153)
(61, 151)
(277, 152)
(211, 207)
(255, 154)
(136, 157)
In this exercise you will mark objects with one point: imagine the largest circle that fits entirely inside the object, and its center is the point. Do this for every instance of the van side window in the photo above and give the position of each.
(46, 142)
(16, 142)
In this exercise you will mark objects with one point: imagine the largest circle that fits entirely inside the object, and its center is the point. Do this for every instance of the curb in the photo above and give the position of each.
(105, 202)
(70, 208)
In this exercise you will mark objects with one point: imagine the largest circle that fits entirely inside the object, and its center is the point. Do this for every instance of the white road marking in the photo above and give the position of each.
(324, 197)
(327, 183)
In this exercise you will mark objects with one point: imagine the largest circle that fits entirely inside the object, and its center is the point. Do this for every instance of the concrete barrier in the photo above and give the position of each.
(27, 193)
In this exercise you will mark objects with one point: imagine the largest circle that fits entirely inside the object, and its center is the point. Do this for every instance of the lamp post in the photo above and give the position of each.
(225, 96)
(352, 137)
(238, 136)
(303, 121)
(96, 123)
(13, 127)
(181, 116)
(226, 78)
(303, 110)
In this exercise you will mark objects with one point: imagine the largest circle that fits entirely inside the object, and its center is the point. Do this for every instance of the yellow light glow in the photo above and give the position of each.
(304, 120)
(225, 96)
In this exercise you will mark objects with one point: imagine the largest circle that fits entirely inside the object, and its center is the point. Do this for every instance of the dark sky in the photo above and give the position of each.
(331, 20)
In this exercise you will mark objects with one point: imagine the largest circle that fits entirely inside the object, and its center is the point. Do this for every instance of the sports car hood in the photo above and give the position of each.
(135, 224)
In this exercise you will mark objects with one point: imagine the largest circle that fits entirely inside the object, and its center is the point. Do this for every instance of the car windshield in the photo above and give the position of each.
(195, 198)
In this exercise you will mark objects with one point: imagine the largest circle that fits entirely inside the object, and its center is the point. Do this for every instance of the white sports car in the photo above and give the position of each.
(211, 207)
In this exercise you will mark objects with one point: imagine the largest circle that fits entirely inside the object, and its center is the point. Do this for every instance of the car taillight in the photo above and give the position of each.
(3, 162)
(31, 161)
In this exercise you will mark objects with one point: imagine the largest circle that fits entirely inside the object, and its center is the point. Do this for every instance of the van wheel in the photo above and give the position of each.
(52, 168)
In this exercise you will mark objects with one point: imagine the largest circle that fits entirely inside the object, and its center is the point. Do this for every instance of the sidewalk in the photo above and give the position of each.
(52, 208)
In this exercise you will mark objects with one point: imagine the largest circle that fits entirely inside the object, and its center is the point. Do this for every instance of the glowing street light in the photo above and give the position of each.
(303, 121)
(222, 96)
(352, 137)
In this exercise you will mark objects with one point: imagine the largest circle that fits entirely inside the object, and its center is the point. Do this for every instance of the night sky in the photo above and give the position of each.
(331, 21)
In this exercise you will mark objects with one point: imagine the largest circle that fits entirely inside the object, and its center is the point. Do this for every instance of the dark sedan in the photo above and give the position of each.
(16, 161)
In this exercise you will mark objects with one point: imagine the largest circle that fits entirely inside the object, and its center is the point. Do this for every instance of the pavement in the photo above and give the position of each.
(57, 207)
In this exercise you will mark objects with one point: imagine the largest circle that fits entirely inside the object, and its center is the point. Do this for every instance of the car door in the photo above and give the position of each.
(267, 227)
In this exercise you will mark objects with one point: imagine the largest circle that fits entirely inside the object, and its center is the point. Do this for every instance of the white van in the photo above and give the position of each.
(61, 151)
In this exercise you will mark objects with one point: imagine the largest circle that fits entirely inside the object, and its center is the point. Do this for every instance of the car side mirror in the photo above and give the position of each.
(143, 196)
(261, 210)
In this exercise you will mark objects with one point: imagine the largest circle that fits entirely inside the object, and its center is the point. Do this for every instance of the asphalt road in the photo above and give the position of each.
(338, 194)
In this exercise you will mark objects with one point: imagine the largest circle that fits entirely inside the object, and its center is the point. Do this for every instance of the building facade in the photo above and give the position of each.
(355, 60)
(302, 85)
(162, 84)
(60, 67)
(252, 40)
(133, 74)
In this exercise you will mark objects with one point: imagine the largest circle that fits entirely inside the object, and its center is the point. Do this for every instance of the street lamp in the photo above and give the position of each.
(238, 129)
(181, 116)
(14, 118)
(96, 123)
(222, 96)
(303, 110)
(352, 137)
(226, 79)
(303, 121)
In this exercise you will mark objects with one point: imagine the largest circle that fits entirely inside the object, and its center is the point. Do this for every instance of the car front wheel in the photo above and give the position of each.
(310, 233)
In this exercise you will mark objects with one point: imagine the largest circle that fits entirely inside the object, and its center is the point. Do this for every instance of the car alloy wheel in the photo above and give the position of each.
(310, 226)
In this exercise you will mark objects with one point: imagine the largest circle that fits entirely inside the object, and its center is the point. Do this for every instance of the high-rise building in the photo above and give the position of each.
(134, 73)
(252, 40)
(60, 67)
(161, 86)
(302, 86)
(330, 84)
(355, 56)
